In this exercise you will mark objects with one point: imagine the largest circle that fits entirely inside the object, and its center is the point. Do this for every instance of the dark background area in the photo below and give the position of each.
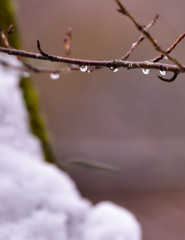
(132, 121)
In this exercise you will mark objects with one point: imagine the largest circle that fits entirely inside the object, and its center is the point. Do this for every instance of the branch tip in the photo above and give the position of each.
(41, 52)
(175, 74)
(38, 45)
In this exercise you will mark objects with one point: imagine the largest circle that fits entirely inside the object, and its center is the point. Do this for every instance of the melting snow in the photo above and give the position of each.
(37, 200)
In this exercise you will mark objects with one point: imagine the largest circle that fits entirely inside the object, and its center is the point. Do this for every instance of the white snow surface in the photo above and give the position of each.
(37, 200)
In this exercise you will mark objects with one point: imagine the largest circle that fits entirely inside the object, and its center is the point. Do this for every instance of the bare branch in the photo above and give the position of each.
(140, 39)
(109, 64)
(168, 50)
(4, 39)
(147, 35)
(10, 31)
(90, 65)
(28, 68)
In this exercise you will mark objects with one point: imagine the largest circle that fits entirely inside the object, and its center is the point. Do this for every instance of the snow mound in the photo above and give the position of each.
(37, 200)
(107, 221)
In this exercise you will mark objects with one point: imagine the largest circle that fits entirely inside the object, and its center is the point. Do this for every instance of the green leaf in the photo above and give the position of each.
(86, 163)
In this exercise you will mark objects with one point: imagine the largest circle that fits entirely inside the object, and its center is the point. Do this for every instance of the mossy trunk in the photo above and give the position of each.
(36, 122)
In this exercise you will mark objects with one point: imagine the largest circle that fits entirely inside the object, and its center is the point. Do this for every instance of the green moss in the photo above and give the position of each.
(36, 121)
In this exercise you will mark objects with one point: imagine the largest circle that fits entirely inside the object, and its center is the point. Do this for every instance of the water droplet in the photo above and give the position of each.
(114, 69)
(166, 57)
(26, 74)
(145, 70)
(162, 72)
(83, 68)
(54, 76)
(134, 44)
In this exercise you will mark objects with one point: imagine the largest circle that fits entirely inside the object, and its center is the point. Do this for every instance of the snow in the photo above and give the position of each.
(37, 200)
(108, 221)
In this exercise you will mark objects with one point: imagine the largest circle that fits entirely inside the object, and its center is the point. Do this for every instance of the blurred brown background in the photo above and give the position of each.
(130, 120)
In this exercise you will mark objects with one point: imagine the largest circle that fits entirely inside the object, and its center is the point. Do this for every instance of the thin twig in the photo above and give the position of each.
(168, 50)
(4, 38)
(140, 39)
(28, 68)
(10, 31)
(147, 35)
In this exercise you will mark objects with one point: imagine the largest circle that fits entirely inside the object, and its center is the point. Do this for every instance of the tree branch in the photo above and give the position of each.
(90, 65)
(110, 63)
(168, 50)
(147, 35)
(140, 39)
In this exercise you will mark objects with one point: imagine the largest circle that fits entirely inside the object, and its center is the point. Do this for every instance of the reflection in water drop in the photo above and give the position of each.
(145, 70)
(134, 44)
(162, 72)
(54, 76)
(26, 74)
(83, 68)
(114, 69)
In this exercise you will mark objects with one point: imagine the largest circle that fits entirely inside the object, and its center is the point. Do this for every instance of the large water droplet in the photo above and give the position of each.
(145, 70)
(54, 76)
(83, 68)
(114, 69)
(162, 72)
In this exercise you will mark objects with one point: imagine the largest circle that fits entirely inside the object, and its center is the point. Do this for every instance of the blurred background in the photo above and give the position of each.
(132, 121)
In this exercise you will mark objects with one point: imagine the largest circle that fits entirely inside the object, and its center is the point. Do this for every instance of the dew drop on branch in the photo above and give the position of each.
(83, 68)
(145, 70)
(26, 74)
(54, 76)
(114, 69)
(162, 72)
(134, 44)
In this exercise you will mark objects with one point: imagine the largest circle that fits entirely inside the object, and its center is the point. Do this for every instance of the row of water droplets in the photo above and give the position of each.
(55, 76)
(147, 71)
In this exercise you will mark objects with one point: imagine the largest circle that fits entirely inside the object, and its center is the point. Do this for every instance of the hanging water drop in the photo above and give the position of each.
(166, 57)
(83, 68)
(162, 72)
(134, 44)
(145, 70)
(114, 69)
(26, 74)
(54, 76)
